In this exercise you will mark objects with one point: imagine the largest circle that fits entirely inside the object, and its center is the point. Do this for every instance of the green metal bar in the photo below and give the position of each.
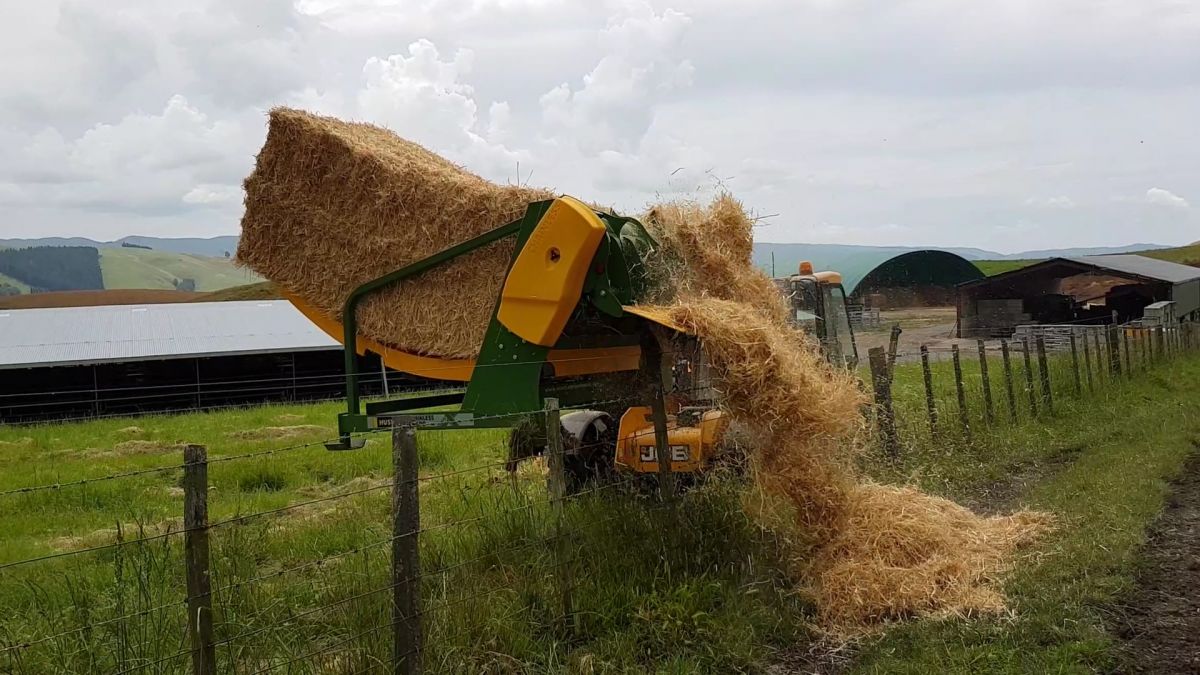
(350, 321)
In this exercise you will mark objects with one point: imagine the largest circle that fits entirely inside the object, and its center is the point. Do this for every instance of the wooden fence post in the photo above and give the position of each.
(930, 405)
(1087, 363)
(963, 418)
(1114, 352)
(196, 560)
(989, 409)
(1099, 354)
(893, 345)
(406, 557)
(652, 353)
(1029, 377)
(1159, 346)
(1044, 369)
(1008, 381)
(556, 461)
(1075, 366)
(1128, 353)
(885, 417)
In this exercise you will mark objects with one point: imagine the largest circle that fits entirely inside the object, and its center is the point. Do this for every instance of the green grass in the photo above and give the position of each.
(6, 280)
(689, 588)
(1184, 255)
(695, 588)
(142, 268)
(993, 267)
(1103, 468)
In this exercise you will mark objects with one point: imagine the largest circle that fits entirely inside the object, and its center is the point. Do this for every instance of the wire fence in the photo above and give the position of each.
(443, 550)
(384, 571)
(952, 394)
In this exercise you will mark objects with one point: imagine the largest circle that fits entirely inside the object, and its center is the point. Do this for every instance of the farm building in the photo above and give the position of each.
(92, 361)
(1080, 290)
(892, 277)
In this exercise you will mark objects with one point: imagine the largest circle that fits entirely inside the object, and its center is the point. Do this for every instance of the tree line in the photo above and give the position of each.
(54, 268)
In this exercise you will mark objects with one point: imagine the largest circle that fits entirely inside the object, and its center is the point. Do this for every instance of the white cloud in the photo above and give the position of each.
(1163, 197)
(1059, 202)
(963, 122)
(213, 194)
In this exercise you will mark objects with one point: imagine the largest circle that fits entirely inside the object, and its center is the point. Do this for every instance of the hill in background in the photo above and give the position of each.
(141, 268)
(77, 268)
(212, 247)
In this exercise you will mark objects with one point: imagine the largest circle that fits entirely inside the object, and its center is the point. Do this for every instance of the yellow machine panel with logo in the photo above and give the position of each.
(692, 446)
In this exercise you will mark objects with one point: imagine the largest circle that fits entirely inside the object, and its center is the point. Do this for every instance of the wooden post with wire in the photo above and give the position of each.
(1029, 377)
(653, 365)
(1087, 363)
(893, 346)
(406, 557)
(1099, 354)
(885, 416)
(1128, 354)
(1075, 366)
(930, 405)
(196, 560)
(1114, 352)
(556, 461)
(1008, 381)
(989, 409)
(1044, 371)
(963, 418)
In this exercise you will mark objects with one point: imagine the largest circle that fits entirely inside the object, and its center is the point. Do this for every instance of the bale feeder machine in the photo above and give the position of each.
(568, 326)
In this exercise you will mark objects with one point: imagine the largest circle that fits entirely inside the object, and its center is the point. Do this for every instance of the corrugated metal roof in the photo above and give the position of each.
(1151, 268)
(84, 335)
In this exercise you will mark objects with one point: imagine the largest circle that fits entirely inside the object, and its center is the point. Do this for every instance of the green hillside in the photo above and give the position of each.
(9, 281)
(1185, 255)
(994, 267)
(142, 268)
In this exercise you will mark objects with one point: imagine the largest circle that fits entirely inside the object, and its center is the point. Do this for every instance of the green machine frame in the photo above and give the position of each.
(510, 375)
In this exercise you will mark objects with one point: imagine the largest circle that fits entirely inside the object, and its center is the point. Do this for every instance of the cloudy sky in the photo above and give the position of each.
(1004, 124)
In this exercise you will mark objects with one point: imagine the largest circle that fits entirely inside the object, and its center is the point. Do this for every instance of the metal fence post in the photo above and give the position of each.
(1008, 381)
(196, 560)
(558, 493)
(1043, 367)
(961, 394)
(1029, 377)
(884, 414)
(930, 405)
(1075, 366)
(406, 558)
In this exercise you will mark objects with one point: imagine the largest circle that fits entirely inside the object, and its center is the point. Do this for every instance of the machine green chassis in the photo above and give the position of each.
(511, 375)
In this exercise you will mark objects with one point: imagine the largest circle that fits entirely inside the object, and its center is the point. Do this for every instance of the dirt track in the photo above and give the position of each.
(1160, 622)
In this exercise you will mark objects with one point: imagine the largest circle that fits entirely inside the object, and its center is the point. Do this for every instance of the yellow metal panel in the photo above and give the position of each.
(546, 279)
(455, 370)
(576, 362)
(567, 362)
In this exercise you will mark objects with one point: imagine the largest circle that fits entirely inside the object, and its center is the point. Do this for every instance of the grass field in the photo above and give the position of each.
(142, 268)
(9, 281)
(693, 588)
(993, 267)
(1185, 255)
